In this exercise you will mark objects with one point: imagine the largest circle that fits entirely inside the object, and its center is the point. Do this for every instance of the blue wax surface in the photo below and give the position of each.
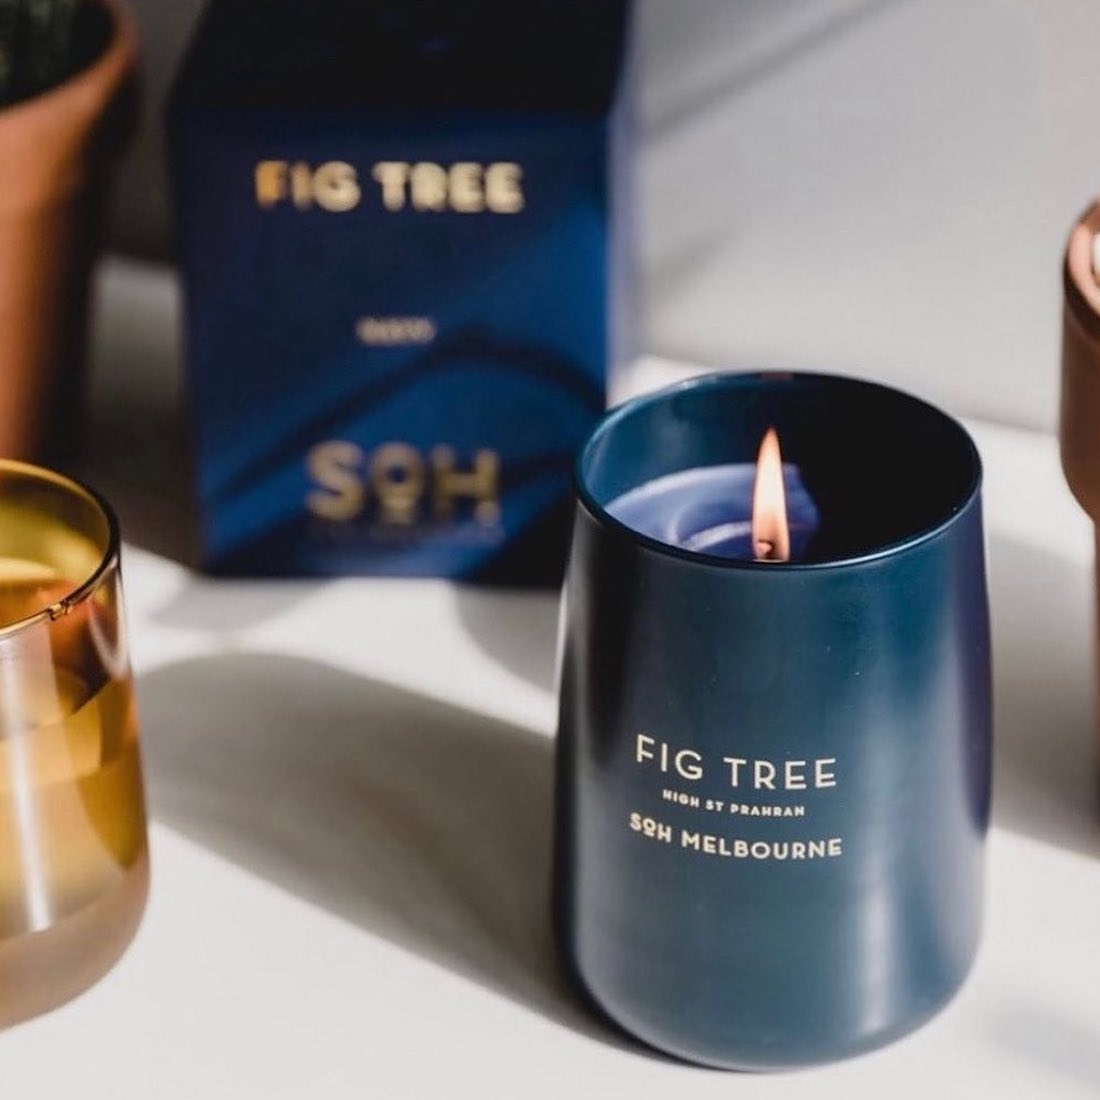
(708, 509)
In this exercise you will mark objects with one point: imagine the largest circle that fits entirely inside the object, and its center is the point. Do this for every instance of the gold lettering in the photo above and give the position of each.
(270, 177)
(466, 186)
(467, 196)
(334, 466)
(336, 187)
(503, 193)
(428, 186)
(301, 185)
(397, 476)
(392, 175)
(480, 484)
(395, 330)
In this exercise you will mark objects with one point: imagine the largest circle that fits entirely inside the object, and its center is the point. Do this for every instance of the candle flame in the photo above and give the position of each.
(771, 538)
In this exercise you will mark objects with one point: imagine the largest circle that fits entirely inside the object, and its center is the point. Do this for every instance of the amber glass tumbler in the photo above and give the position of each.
(74, 867)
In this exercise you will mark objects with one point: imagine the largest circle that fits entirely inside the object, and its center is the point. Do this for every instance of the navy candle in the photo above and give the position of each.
(773, 768)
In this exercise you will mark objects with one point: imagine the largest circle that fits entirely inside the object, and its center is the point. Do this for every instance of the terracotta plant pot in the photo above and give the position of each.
(55, 150)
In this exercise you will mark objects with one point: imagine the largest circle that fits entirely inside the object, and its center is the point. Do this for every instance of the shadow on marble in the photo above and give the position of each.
(1057, 1043)
(519, 630)
(1045, 769)
(419, 822)
(226, 604)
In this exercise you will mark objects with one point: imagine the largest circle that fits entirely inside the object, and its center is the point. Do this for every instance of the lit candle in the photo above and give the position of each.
(738, 510)
(771, 777)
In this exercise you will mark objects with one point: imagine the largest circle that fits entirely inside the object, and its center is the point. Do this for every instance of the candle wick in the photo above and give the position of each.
(765, 550)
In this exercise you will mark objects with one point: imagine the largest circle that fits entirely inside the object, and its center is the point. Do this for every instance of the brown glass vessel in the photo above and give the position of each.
(74, 864)
(1080, 407)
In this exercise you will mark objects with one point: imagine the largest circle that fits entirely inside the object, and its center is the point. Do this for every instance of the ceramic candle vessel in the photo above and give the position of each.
(773, 778)
(1080, 407)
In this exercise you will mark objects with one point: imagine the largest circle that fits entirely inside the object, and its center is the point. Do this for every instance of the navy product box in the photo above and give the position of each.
(400, 228)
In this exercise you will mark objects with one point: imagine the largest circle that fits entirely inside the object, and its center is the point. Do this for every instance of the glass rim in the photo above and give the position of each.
(110, 555)
(733, 378)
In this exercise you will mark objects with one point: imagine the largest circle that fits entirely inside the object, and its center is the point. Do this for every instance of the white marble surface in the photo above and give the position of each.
(350, 785)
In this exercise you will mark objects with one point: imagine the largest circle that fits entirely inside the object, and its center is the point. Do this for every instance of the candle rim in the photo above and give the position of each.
(108, 559)
(600, 513)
